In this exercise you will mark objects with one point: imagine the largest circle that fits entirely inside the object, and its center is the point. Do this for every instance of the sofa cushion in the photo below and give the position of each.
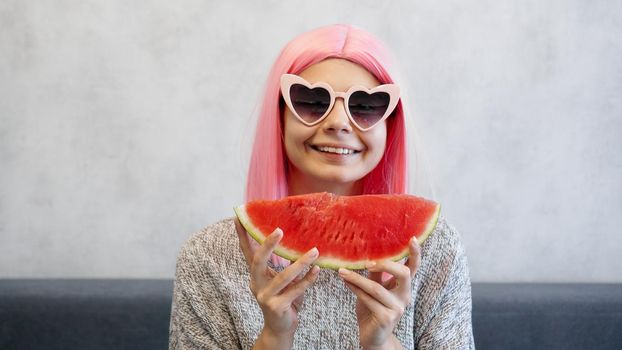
(547, 316)
(134, 314)
(84, 314)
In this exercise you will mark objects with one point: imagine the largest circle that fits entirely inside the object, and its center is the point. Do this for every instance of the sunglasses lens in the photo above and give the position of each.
(368, 109)
(310, 104)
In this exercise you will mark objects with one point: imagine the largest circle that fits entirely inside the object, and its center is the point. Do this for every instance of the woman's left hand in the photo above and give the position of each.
(380, 305)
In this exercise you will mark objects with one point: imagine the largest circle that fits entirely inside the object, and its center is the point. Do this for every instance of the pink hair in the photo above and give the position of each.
(267, 174)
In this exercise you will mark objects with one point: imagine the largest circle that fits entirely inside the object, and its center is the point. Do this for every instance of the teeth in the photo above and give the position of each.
(336, 150)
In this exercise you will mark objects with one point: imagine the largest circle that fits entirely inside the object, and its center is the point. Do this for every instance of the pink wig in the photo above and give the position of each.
(267, 174)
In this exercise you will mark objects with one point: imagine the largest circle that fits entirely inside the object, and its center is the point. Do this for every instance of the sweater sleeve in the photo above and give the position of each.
(450, 325)
(199, 317)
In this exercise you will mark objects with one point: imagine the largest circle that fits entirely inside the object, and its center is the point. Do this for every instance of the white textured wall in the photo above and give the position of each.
(124, 126)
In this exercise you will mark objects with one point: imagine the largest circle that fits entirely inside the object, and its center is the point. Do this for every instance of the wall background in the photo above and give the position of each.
(125, 126)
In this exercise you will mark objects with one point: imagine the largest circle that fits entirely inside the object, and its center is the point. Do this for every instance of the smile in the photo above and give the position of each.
(334, 150)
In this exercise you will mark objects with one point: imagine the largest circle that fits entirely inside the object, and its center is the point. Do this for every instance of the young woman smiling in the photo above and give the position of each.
(332, 120)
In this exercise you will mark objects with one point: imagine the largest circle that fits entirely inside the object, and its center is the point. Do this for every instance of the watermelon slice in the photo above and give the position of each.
(348, 231)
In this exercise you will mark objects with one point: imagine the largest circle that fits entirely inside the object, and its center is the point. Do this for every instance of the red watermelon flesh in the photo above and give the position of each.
(348, 231)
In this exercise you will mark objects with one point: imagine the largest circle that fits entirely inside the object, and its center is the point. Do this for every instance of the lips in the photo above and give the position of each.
(335, 149)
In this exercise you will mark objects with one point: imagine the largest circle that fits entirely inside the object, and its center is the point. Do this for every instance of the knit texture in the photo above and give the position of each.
(213, 307)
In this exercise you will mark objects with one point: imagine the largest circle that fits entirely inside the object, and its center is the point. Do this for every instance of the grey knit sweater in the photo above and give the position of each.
(213, 307)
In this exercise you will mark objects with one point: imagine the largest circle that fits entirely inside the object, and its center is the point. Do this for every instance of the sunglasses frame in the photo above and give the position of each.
(287, 80)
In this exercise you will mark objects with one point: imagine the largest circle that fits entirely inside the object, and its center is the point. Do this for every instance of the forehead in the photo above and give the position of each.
(339, 73)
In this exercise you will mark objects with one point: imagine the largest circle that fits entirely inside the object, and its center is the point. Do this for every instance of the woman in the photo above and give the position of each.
(322, 128)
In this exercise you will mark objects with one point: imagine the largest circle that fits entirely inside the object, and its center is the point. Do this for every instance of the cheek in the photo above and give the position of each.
(376, 139)
(294, 132)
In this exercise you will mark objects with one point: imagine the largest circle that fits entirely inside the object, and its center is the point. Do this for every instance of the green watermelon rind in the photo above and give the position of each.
(326, 261)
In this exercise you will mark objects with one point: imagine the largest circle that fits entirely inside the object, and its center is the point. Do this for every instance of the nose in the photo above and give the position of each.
(337, 119)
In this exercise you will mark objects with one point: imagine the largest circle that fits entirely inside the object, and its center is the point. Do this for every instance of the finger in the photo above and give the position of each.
(372, 304)
(297, 278)
(414, 257)
(286, 276)
(372, 288)
(401, 275)
(243, 241)
(296, 290)
(381, 278)
(259, 263)
(375, 276)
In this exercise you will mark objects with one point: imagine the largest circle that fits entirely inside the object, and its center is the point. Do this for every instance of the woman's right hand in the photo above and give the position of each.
(279, 295)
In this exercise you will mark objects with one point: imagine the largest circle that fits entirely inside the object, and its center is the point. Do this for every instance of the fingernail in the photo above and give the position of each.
(370, 264)
(413, 241)
(344, 272)
(315, 269)
(313, 252)
(277, 232)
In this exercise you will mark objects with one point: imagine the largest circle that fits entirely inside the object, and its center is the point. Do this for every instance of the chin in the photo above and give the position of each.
(339, 178)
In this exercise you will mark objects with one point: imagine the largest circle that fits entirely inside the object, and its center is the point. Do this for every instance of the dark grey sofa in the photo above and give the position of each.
(134, 314)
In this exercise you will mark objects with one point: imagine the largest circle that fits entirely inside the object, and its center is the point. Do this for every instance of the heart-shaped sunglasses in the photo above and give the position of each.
(311, 103)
